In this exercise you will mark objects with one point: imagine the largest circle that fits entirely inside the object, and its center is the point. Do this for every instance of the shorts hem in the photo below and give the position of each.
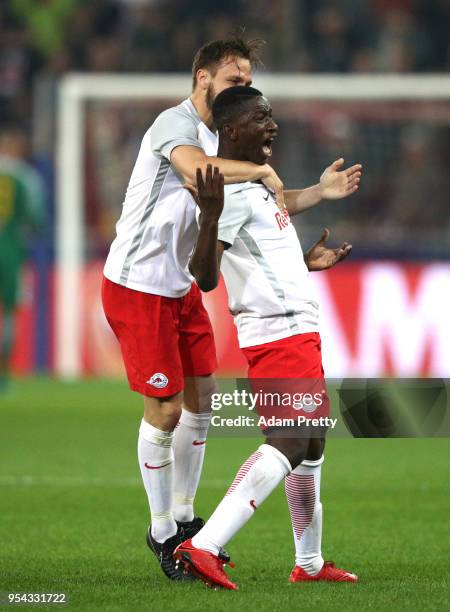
(148, 391)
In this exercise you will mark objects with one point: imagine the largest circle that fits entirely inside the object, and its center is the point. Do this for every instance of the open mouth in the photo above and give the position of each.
(267, 147)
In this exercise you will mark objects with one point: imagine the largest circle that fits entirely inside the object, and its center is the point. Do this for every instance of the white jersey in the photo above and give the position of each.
(269, 289)
(157, 228)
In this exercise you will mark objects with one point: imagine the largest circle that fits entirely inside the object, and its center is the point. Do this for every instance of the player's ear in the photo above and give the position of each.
(230, 131)
(203, 78)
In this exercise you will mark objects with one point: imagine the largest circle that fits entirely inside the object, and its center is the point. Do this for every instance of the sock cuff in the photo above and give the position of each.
(154, 435)
(191, 419)
(308, 466)
(268, 449)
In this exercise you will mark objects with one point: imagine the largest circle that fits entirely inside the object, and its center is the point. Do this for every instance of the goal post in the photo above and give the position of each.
(75, 90)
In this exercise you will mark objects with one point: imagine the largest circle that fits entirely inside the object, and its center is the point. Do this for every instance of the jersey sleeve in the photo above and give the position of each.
(171, 129)
(236, 212)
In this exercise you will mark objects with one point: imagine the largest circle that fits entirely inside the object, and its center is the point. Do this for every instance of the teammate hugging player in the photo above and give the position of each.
(153, 306)
(276, 315)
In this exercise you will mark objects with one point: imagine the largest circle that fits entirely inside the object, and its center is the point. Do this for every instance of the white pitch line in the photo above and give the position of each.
(71, 481)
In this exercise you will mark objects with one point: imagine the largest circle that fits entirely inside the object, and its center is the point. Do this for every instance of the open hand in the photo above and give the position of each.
(208, 194)
(336, 184)
(320, 257)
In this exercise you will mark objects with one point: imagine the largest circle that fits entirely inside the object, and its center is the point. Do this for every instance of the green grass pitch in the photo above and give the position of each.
(73, 514)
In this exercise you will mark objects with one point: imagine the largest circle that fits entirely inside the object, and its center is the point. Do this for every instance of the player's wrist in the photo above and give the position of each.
(319, 191)
(209, 220)
(262, 172)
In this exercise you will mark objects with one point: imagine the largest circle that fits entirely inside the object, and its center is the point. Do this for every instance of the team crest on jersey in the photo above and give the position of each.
(158, 380)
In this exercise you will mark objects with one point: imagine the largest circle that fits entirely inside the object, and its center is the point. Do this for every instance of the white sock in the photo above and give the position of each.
(303, 496)
(155, 456)
(255, 480)
(189, 450)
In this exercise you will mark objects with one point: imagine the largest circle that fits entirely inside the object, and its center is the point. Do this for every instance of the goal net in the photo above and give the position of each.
(385, 311)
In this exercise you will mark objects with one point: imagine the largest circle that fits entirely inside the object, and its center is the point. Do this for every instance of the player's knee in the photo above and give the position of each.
(163, 412)
(171, 411)
(294, 449)
(298, 453)
(198, 392)
(207, 386)
(315, 449)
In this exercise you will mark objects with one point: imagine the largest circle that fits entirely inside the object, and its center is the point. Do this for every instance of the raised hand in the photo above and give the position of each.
(336, 183)
(320, 257)
(208, 193)
(204, 264)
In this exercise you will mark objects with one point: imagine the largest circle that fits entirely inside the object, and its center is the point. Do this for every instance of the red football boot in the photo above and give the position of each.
(329, 572)
(204, 565)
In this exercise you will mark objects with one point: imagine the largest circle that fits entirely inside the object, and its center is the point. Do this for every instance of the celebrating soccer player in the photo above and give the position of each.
(276, 315)
(150, 300)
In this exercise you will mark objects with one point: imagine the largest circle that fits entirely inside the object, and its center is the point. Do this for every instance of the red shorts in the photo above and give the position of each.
(162, 339)
(289, 369)
(298, 356)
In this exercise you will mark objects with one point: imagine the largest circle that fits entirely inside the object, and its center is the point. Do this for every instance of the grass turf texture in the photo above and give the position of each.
(74, 514)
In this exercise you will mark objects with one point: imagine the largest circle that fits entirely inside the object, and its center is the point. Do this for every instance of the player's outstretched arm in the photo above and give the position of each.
(334, 184)
(320, 257)
(204, 264)
(186, 157)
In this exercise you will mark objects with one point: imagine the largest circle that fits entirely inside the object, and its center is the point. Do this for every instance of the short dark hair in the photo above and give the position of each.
(231, 102)
(211, 54)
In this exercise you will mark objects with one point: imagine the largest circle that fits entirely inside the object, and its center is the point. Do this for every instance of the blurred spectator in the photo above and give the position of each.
(46, 20)
(21, 210)
(401, 45)
(147, 40)
(418, 181)
(18, 63)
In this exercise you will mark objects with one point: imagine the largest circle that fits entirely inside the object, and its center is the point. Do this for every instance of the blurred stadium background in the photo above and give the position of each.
(386, 310)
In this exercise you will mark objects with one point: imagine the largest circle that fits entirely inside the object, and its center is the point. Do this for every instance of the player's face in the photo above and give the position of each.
(232, 71)
(257, 130)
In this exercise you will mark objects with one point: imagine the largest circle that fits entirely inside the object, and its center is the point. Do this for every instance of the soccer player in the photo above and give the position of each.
(150, 300)
(276, 315)
(21, 210)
